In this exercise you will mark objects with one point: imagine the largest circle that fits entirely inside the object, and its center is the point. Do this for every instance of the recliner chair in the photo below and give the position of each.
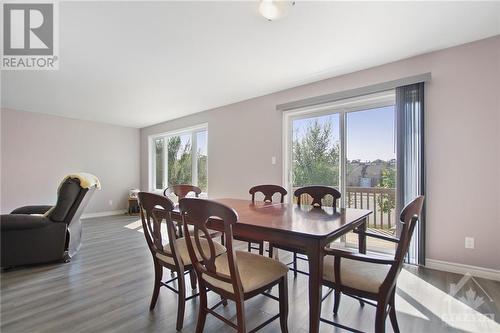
(40, 234)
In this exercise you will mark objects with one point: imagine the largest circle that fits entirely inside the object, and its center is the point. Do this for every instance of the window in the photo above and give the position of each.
(179, 157)
(315, 152)
(349, 145)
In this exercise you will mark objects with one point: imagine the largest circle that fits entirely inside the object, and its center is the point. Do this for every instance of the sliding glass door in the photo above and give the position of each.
(371, 171)
(350, 146)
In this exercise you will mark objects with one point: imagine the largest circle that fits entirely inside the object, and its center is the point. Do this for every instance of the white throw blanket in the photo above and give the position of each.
(87, 180)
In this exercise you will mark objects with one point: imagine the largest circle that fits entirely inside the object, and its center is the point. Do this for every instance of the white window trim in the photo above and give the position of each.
(192, 130)
(342, 107)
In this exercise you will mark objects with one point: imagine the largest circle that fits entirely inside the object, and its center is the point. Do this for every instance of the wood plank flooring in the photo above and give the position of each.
(107, 288)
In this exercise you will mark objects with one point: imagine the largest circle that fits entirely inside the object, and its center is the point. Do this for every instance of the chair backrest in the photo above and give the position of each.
(408, 218)
(74, 239)
(268, 191)
(69, 196)
(317, 192)
(199, 212)
(182, 190)
(72, 200)
(154, 209)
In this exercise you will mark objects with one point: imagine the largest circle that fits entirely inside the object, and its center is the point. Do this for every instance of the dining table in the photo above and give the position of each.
(303, 228)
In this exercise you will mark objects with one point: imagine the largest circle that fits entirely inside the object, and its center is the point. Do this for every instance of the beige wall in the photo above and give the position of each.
(39, 150)
(462, 144)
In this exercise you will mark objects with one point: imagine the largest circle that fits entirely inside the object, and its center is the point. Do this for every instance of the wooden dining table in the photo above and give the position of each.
(303, 228)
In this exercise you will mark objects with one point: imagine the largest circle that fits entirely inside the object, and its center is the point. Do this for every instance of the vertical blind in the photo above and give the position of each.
(410, 159)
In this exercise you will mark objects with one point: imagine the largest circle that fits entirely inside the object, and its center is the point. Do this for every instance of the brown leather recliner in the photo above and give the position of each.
(32, 239)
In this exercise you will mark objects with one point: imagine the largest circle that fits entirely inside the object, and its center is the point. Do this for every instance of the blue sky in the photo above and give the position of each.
(370, 133)
(202, 142)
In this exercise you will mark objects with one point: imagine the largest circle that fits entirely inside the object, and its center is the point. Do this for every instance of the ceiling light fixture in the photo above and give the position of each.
(274, 10)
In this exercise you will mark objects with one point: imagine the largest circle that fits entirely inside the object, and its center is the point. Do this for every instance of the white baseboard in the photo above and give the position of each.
(101, 214)
(453, 267)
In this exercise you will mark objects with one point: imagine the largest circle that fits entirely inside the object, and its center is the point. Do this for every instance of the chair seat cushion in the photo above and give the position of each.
(356, 274)
(183, 250)
(256, 271)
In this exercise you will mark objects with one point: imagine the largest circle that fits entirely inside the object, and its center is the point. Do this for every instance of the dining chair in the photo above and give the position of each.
(181, 191)
(318, 193)
(234, 275)
(172, 255)
(371, 277)
(268, 191)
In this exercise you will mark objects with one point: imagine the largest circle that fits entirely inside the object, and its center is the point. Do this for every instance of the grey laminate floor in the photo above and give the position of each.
(107, 288)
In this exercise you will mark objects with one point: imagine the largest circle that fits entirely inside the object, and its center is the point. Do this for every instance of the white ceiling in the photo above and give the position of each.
(140, 63)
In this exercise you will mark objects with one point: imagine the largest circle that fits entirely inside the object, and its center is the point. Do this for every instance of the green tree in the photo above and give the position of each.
(316, 156)
(160, 153)
(388, 178)
(173, 146)
(387, 202)
(202, 172)
(179, 161)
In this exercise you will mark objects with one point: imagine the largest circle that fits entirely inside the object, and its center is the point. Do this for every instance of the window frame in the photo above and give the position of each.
(193, 132)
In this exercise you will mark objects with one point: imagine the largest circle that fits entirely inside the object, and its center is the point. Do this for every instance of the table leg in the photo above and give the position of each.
(315, 256)
(362, 236)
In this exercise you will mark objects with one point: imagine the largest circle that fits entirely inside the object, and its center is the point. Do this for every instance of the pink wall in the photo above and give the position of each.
(38, 150)
(462, 144)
